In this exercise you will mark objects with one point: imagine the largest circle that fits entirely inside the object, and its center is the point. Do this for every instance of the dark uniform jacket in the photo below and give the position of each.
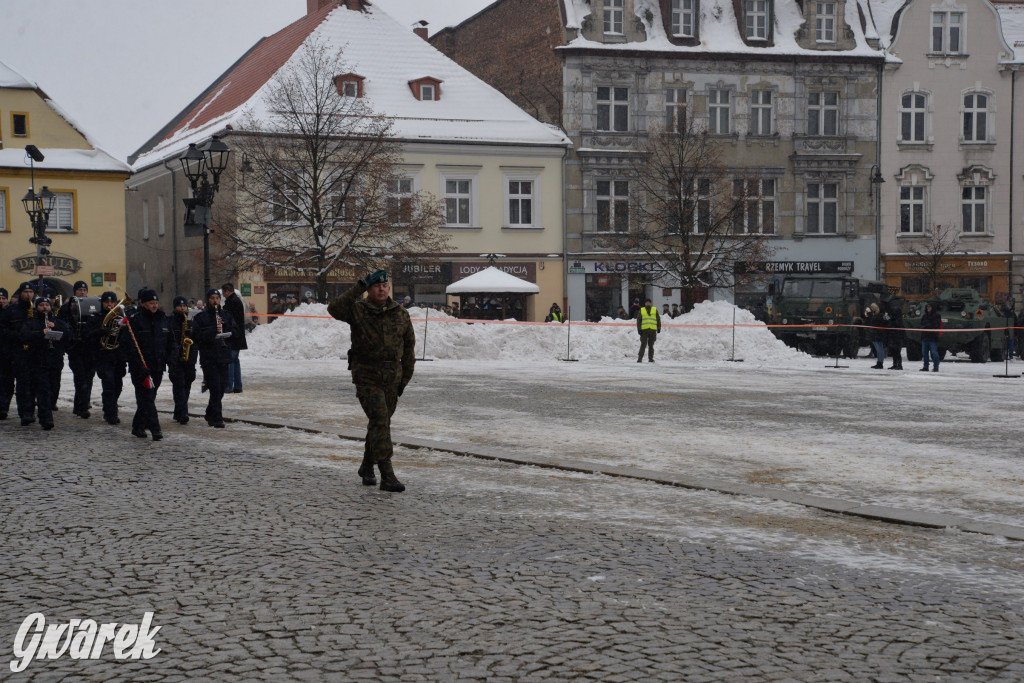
(383, 342)
(236, 309)
(43, 352)
(12, 318)
(204, 328)
(154, 338)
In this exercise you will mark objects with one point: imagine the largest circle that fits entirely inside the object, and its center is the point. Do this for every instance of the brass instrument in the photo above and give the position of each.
(186, 341)
(112, 323)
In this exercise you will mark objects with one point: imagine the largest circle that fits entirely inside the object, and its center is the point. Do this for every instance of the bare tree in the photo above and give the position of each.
(321, 185)
(929, 255)
(689, 213)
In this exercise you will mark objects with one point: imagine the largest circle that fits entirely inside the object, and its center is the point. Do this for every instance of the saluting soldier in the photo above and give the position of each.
(80, 357)
(382, 360)
(181, 369)
(11, 321)
(110, 362)
(213, 327)
(45, 338)
(148, 346)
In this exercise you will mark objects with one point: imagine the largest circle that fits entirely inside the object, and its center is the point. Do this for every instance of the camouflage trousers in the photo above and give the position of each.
(379, 403)
(647, 338)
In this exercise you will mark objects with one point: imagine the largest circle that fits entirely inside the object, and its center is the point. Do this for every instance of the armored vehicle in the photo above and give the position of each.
(813, 312)
(970, 324)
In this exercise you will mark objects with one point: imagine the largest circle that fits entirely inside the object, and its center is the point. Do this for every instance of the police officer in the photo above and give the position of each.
(181, 369)
(382, 360)
(80, 356)
(11, 321)
(213, 327)
(43, 352)
(148, 345)
(6, 368)
(109, 362)
(648, 324)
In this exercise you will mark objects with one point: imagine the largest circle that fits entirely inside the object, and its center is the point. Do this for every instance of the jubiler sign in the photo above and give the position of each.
(61, 264)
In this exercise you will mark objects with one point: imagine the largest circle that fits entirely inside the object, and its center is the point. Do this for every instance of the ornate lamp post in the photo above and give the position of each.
(38, 208)
(875, 176)
(203, 168)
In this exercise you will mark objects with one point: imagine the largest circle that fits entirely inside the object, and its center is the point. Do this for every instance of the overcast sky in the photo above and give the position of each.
(121, 69)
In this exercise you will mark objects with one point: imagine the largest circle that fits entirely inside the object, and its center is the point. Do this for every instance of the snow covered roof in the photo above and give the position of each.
(720, 31)
(1011, 18)
(92, 158)
(389, 56)
(492, 280)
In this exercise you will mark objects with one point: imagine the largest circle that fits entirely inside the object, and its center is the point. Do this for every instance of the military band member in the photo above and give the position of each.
(45, 338)
(181, 369)
(11, 321)
(213, 328)
(109, 362)
(6, 368)
(148, 345)
(80, 357)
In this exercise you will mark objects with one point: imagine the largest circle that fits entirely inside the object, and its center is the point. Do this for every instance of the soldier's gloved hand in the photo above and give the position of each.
(362, 283)
(401, 388)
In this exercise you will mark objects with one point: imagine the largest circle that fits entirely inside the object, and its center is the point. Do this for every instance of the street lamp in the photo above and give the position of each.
(38, 208)
(875, 176)
(199, 166)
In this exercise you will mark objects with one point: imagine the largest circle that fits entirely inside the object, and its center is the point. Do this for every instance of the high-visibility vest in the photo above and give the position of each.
(649, 318)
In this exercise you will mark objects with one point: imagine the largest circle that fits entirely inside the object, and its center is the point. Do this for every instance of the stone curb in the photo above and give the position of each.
(881, 513)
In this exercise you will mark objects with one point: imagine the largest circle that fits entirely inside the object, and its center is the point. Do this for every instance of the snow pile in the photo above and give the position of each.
(309, 333)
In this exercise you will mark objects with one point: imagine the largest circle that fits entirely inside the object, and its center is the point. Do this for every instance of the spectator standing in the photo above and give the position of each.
(894, 335)
(648, 324)
(234, 307)
(554, 314)
(275, 308)
(931, 323)
(675, 311)
(634, 309)
(875, 321)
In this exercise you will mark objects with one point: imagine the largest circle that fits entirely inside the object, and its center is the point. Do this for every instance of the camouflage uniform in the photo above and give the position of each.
(382, 360)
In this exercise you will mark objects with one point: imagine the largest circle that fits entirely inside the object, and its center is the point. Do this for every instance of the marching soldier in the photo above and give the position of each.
(11, 321)
(181, 369)
(213, 327)
(109, 358)
(6, 368)
(382, 360)
(148, 345)
(80, 357)
(45, 338)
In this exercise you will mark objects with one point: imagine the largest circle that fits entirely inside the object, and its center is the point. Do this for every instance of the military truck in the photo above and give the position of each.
(821, 306)
(970, 324)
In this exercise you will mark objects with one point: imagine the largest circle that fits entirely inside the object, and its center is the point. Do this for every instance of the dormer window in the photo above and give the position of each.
(349, 85)
(426, 89)
(683, 18)
(756, 19)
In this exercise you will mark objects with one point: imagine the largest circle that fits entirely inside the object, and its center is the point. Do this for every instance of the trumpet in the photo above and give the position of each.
(186, 341)
(112, 323)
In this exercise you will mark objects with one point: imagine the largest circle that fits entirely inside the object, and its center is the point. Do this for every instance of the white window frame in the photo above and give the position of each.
(700, 221)
(428, 92)
(759, 206)
(279, 212)
(761, 112)
(970, 206)
(914, 117)
(971, 115)
(819, 110)
(818, 205)
(675, 109)
(913, 209)
(395, 191)
(684, 18)
(825, 22)
(520, 198)
(62, 218)
(614, 105)
(719, 111)
(756, 19)
(615, 193)
(472, 195)
(4, 211)
(613, 16)
(947, 28)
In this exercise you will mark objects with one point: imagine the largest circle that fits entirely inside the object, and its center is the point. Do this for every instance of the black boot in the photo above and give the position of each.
(366, 472)
(389, 482)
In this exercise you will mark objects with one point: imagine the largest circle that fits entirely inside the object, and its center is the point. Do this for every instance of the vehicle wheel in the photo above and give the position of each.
(913, 351)
(981, 347)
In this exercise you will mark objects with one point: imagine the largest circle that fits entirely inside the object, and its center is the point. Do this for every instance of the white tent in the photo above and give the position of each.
(492, 280)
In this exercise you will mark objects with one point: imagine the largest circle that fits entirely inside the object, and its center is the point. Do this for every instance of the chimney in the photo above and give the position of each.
(354, 5)
(420, 29)
(314, 6)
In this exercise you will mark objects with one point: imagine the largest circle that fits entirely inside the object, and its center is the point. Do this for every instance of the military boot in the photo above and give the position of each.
(366, 472)
(389, 482)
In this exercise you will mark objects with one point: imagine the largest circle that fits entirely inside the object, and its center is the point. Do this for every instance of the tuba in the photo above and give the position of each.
(112, 323)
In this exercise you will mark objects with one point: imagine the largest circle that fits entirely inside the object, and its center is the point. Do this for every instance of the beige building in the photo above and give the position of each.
(86, 225)
(496, 170)
(947, 154)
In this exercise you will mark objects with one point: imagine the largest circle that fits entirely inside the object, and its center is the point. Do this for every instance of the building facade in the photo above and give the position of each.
(86, 225)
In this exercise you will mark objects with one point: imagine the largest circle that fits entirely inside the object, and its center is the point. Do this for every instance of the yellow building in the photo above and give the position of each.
(86, 225)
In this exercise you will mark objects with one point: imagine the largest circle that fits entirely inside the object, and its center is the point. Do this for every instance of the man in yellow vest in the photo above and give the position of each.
(648, 324)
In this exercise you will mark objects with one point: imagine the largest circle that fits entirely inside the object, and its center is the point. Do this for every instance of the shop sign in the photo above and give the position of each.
(524, 270)
(272, 274)
(61, 264)
(627, 267)
(426, 273)
(793, 267)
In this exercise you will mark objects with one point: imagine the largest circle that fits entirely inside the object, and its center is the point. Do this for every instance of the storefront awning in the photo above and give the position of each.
(491, 280)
